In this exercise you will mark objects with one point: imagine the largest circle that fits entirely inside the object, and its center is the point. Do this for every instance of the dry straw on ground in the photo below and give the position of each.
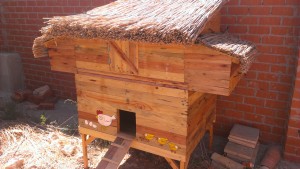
(41, 148)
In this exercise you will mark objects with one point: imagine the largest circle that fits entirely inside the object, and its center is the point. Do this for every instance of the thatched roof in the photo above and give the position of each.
(243, 50)
(157, 21)
(154, 21)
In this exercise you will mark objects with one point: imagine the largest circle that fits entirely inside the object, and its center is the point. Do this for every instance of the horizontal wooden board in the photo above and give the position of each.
(135, 144)
(172, 137)
(84, 123)
(136, 79)
(181, 150)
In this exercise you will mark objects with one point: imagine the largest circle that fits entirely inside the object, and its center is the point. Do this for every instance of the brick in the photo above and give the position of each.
(293, 132)
(254, 101)
(252, 38)
(292, 150)
(247, 20)
(293, 2)
(274, 40)
(254, 117)
(238, 10)
(233, 114)
(270, 20)
(275, 121)
(281, 30)
(237, 29)
(283, 50)
(271, 138)
(259, 29)
(291, 157)
(278, 130)
(278, 69)
(291, 21)
(252, 2)
(293, 141)
(260, 67)
(245, 108)
(283, 11)
(274, 2)
(261, 85)
(228, 19)
(233, 2)
(265, 111)
(265, 11)
(294, 123)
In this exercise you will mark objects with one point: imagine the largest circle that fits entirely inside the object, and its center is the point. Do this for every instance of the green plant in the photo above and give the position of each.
(43, 119)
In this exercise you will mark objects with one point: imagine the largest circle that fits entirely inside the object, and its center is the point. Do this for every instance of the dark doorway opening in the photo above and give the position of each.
(127, 122)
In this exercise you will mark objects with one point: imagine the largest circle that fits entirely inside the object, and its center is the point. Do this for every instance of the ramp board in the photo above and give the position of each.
(116, 152)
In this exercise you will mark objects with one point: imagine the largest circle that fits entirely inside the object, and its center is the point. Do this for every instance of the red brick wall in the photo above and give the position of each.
(292, 144)
(262, 98)
(24, 18)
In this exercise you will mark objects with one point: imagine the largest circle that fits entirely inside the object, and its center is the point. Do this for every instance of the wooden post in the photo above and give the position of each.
(84, 151)
(211, 137)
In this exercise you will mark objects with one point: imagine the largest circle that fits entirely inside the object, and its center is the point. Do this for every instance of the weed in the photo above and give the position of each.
(43, 119)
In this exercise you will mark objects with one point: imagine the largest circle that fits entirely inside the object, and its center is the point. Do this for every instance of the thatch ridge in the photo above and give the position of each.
(164, 21)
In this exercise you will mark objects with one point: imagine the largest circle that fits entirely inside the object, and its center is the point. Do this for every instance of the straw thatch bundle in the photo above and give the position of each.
(243, 50)
(157, 21)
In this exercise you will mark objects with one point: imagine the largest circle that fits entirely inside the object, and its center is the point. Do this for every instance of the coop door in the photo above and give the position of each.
(127, 122)
(123, 57)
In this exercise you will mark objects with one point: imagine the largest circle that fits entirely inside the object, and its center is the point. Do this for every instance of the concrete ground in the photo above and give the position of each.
(65, 115)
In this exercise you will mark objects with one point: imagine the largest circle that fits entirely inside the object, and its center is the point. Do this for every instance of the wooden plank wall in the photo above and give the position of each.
(200, 68)
(61, 53)
(201, 113)
(207, 71)
(160, 111)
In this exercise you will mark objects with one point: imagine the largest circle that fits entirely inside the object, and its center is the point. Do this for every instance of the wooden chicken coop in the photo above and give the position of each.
(147, 73)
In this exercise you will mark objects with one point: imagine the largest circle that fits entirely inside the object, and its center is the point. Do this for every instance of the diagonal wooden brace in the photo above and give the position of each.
(124, 57)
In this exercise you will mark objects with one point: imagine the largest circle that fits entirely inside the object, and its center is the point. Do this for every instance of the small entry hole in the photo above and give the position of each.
(127, 122)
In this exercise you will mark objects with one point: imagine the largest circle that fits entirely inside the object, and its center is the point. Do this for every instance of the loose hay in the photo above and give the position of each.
(36, 147)
(42, 148)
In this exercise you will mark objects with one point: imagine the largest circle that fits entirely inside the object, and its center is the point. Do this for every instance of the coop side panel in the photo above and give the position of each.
(201, 114)
(161, 112)
(154, 61)
(207, 71)
(61, 54)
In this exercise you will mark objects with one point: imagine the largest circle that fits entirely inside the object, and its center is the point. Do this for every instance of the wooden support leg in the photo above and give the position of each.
(172, 163)
(183, 165)
(211, 137)
(84, 151)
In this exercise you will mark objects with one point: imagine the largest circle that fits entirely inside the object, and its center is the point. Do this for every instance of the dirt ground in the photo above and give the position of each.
(26, 138)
